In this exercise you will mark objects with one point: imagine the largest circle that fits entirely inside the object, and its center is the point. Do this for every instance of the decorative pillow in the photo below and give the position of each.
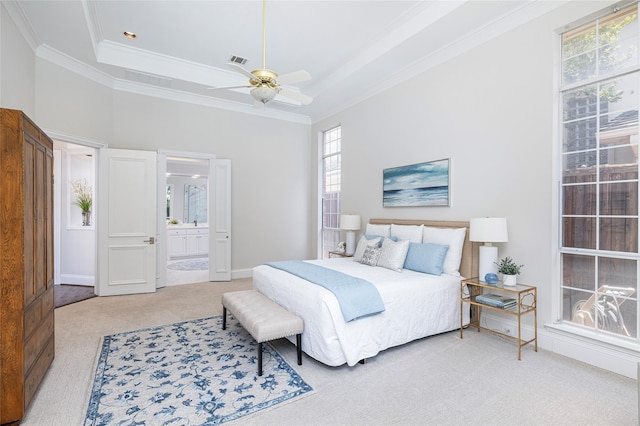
(370, 256)
(393, 254)
(427, 258)
(412, 233)
(452, 237)
(370, 237)
(382, 230)
(362, 246)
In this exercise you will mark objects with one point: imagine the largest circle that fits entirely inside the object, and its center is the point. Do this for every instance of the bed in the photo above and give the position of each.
(416, 304)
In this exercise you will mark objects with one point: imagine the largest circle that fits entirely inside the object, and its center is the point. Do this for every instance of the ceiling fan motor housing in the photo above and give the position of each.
(264, 77)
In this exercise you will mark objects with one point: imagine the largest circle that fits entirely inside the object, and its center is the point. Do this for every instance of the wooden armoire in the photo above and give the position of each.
(26, 261)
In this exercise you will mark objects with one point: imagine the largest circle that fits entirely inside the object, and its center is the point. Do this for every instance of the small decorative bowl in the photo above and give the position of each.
(491, 278)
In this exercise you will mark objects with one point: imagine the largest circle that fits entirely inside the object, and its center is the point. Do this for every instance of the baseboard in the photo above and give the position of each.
(241, 273)
(88, 280)
(563, 341)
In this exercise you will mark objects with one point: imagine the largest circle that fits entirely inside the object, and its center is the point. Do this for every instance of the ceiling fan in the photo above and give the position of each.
(266, 84)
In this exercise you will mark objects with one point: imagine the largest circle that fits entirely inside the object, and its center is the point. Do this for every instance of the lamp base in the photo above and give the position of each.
(351, 243)
(488, 256)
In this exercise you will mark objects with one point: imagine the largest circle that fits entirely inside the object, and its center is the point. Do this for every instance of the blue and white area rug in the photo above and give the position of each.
(190, 265)
(188, 373)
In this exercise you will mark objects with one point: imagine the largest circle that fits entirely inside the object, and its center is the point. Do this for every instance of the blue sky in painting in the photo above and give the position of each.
(423, 175)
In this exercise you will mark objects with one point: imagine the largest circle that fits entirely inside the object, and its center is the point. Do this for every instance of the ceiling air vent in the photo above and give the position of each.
(143, 77)
(238, 60)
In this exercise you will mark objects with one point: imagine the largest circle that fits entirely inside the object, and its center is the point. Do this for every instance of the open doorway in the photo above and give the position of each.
(74, 225)
(187, 201)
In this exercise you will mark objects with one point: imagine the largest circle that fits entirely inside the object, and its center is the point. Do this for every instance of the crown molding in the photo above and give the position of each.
(80, 68)
(489, 31)
(179, 96)
(90, 10)
(69, 63)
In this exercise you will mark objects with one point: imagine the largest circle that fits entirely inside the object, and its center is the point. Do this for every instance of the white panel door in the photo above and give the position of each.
(220, 230)
(127, 215)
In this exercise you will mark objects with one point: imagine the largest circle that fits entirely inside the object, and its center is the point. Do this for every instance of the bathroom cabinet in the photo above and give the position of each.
(26, 261)
(187, 242)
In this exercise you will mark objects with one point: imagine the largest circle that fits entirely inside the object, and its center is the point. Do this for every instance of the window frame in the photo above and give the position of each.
(560, 154)
(330, 236)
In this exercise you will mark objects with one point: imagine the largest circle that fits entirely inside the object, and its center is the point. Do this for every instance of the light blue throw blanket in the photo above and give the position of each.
(357, 297)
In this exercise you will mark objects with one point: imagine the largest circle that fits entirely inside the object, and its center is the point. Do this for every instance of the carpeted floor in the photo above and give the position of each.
(66, 294)
(441, 380)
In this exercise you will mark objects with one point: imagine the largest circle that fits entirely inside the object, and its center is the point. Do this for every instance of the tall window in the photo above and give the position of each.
(600, 98)
(331, 163)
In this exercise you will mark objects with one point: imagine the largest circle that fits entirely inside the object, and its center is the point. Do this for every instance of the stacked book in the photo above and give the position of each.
(497, 300)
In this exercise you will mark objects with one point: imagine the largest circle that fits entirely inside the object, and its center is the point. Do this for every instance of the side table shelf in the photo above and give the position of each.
(526, 300)
(336, 253)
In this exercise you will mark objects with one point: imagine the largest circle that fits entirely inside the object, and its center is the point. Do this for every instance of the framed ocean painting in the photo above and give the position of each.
(423, 184)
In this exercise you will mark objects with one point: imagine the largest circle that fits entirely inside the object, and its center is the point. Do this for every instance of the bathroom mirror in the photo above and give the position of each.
(195, 203)
(169, 202)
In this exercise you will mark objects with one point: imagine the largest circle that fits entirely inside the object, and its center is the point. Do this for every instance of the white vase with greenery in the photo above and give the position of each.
(83, 194)
(509, 270)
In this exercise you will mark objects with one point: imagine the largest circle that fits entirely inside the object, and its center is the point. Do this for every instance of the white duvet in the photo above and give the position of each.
(416, 305)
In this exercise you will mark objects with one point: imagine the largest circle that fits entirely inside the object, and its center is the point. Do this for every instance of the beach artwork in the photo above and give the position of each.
(424, 184)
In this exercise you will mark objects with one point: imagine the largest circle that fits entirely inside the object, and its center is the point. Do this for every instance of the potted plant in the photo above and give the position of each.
(509, 270)
(83, 198)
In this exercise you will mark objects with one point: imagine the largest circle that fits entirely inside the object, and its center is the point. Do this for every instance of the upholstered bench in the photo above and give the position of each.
(263, 318)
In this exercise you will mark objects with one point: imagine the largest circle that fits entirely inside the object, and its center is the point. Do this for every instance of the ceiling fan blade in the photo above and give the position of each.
(294, 77)
(303, 99)
(229, 87)
(241, 70)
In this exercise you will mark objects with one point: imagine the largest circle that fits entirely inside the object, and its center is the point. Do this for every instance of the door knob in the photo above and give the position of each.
(151, 240)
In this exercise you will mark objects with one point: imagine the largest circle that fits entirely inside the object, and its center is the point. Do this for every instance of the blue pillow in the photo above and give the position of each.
(427, 258)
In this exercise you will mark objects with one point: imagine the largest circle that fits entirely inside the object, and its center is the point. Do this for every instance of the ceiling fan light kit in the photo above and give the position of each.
(263, 94)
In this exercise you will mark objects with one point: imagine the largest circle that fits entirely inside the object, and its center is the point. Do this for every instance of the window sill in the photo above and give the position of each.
(611, 342)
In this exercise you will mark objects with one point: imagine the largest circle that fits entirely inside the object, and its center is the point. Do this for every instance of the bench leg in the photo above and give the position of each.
(299, 346)
(224, 318)
(259, 359)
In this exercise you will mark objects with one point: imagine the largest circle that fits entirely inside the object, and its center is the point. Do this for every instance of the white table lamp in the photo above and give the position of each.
(350, 223)
(488, 230)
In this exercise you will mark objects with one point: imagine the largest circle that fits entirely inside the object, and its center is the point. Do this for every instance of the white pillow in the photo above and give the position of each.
(412, 233)
(362, 246)
(393, 254)
(452, 237)
(382, 230)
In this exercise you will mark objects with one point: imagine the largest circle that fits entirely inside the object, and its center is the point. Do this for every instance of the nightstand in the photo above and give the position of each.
(525, 302)
(339, 254)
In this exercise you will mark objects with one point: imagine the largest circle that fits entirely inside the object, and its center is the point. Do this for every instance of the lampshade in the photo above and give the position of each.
(263, 94)
(350, 222)
(488, 230)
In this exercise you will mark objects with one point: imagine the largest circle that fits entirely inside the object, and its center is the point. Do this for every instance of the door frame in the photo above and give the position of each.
(161, 232)
(87, 143)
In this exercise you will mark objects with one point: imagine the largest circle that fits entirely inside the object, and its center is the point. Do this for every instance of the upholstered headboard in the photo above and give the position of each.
(469, 262)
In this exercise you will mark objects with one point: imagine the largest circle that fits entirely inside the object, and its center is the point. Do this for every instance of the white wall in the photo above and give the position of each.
(270, 163)
(72, 105)
(17, 68)
(270, 159)
(492, 111)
